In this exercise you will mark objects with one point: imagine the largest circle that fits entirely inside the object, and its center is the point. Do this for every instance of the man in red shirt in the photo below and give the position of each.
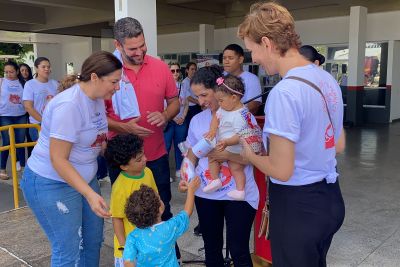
(153, 83)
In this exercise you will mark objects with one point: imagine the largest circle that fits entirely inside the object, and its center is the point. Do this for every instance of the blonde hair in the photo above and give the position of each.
(271, 20)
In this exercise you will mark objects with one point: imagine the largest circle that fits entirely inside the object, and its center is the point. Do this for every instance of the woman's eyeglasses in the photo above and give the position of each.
(175, 70)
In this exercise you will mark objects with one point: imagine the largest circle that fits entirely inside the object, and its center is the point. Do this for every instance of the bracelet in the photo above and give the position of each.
(121, 248)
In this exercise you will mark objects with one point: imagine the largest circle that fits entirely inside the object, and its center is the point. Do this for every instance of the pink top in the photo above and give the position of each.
(153, 83)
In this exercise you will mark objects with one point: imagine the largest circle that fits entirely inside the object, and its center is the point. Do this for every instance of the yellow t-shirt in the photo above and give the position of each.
(121, 190)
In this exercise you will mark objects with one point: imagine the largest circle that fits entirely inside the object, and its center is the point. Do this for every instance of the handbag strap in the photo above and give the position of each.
(312, 85)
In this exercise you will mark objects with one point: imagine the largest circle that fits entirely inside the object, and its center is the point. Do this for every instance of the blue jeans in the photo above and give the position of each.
(19, 138)
(34, 134)
(102, 168)
(175, 133)
(73, 229)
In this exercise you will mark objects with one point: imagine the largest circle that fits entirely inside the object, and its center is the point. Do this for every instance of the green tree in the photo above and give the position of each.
(13, 49)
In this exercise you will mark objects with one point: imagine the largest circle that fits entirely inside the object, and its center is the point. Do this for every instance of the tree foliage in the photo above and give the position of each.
(15, 50)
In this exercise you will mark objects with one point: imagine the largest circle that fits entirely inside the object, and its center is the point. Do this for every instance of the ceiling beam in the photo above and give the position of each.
(183, 14)
(75, 4)
(57, 19)
(174, 2)
(22, 14)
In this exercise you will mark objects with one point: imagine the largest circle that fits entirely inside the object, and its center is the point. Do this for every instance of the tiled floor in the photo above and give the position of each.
(370, 236)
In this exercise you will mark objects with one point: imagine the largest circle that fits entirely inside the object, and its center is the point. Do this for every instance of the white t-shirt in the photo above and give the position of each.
(186, 88)
(11, 98)
(296, 111)
(73, 117)
(230, 123)
(252, 86)
(182, 97)
(199, 125)
(40, 93)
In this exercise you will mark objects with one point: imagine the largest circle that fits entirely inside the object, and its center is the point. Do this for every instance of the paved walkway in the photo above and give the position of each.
(370, 236)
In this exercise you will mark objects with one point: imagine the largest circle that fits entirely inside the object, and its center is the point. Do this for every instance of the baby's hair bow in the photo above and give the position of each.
(220, 81)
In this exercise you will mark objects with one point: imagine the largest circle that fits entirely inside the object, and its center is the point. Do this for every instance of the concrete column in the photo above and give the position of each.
(145, 12)
(54, 53)
(96, 44)
(393, 79)
(206, 32)
(355, 83)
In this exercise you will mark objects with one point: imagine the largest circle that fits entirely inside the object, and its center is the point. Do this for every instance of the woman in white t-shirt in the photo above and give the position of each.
(11, 112)
(38, 92)
(59, 181)
(303, 125)
(176, 130)
(216, 207)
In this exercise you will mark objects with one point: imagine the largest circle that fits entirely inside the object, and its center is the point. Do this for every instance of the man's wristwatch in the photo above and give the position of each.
(121, 248)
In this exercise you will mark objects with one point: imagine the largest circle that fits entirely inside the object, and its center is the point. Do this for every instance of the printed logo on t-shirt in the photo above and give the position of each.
(14, 99)
(101, 137)
(48, 98)
(329, 137)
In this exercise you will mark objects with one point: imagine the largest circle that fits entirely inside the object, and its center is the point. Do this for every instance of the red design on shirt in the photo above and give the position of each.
(99, 140)
(226, 175)
(329, 137)
(15, 99)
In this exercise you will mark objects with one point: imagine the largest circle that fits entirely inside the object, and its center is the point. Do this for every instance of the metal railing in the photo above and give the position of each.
(13, 156)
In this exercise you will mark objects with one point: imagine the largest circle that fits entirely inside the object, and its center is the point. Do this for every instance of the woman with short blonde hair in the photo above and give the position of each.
(303, 125)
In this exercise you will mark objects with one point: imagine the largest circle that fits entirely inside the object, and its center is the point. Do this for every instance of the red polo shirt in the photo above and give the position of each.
(153, 83)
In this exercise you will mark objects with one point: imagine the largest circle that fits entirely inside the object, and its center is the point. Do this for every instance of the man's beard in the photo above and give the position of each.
(132, 60)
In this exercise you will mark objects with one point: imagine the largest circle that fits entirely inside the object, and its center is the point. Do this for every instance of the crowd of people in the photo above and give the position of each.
(23, 99)
(123, 112)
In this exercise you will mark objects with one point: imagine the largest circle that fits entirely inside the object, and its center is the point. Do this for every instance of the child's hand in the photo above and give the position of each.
(221, 145)
(183, 186)
(194, 184)
(210, 135)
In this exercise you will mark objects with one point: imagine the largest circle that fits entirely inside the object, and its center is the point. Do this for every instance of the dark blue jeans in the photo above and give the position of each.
(19, 138)
(34, 134)
(175, 133)
(102, 168)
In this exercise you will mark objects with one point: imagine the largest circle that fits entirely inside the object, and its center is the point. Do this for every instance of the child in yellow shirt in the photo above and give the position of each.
(126, 152)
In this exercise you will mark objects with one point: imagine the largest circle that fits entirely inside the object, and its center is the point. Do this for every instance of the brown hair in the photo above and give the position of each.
(271, 20)
(232, 82)
(143, 207)
(102, 63)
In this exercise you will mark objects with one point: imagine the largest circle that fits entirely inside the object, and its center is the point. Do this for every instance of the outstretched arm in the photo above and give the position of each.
(191, 189)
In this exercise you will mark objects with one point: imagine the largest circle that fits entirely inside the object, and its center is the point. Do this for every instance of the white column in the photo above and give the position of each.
(393, 79)
(206, 32)
(145, 12)
(357, 39)
(355, 83)
(54, 53)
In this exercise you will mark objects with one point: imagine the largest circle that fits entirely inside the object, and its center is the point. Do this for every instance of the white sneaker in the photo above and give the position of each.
(18, 165)
(178, 174)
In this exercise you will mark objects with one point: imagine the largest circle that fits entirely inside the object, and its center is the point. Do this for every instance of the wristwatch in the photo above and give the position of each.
(121, 248)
